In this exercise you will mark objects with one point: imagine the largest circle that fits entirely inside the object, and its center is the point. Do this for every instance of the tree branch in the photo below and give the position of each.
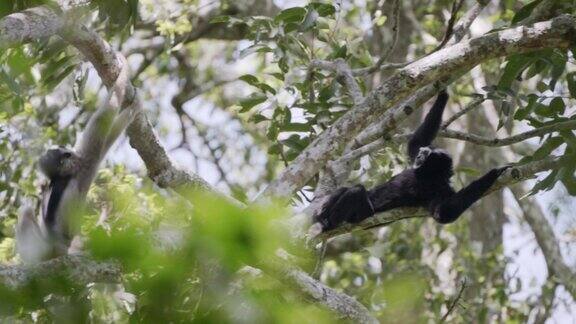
(29, 25)
(479, 140)
(387, 51)
(475, 103)
(78, 269)
(340, 303)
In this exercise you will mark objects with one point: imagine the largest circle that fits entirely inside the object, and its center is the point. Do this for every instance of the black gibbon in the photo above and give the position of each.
(425, 184)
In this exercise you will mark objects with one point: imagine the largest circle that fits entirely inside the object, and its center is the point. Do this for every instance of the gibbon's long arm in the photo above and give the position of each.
(450, 209)
(427, 131)
(96, 138)
(124, 118)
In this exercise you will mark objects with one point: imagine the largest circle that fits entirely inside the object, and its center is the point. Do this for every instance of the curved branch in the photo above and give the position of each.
(141, 133)
(29, 25)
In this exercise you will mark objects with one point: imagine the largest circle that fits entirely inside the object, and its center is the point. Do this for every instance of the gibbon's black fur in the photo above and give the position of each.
(425, 184)
(58, 165)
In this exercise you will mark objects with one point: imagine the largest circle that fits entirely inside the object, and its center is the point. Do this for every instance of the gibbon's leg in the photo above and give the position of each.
(347, 204)
(450, 209)
(31, 243)
(427, 131)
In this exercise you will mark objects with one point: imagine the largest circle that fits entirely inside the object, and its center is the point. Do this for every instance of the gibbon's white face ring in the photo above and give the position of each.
(423, 154)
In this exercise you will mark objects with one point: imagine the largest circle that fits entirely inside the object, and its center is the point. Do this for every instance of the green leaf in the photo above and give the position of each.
(272, 133)
(278, 76)
(220, 19)
(295, 14)
(541, 86)
(536, 68)
(296, 143)
(525, 11)
(546, 184)
(323, 9)
(341, 52)
(544, 110)
(54, 80)
(257, 118)
(569, 139)
(283, 64)
(550, 145)
(310, 20)
(253, 100)
(516, 64)
(570, 183)
(256, 48)
(524, 112)
(557, 105)
(253, 81)
(250, 79)
(558, 67)
(12, 85)
(290, 27)
(295, 127)
(275, 149)
(571, 79)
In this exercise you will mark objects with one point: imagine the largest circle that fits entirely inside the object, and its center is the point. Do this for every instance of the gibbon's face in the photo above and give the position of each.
(433, 158)
(59, 162)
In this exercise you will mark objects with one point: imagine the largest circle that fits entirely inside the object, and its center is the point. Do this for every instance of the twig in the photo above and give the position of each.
(475, 103)
(384, 56)
(565, 125)
(455, 301)
(351, 85)
(456, 6)
(321, 254)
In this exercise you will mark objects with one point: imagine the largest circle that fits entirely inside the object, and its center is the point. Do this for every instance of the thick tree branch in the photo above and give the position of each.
(555, 33)
(41, 22)
(340, 303)
(376, 129)
(29, 25)
(78, 269)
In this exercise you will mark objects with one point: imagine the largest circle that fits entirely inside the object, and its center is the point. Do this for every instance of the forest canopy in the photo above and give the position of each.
(246, 116)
